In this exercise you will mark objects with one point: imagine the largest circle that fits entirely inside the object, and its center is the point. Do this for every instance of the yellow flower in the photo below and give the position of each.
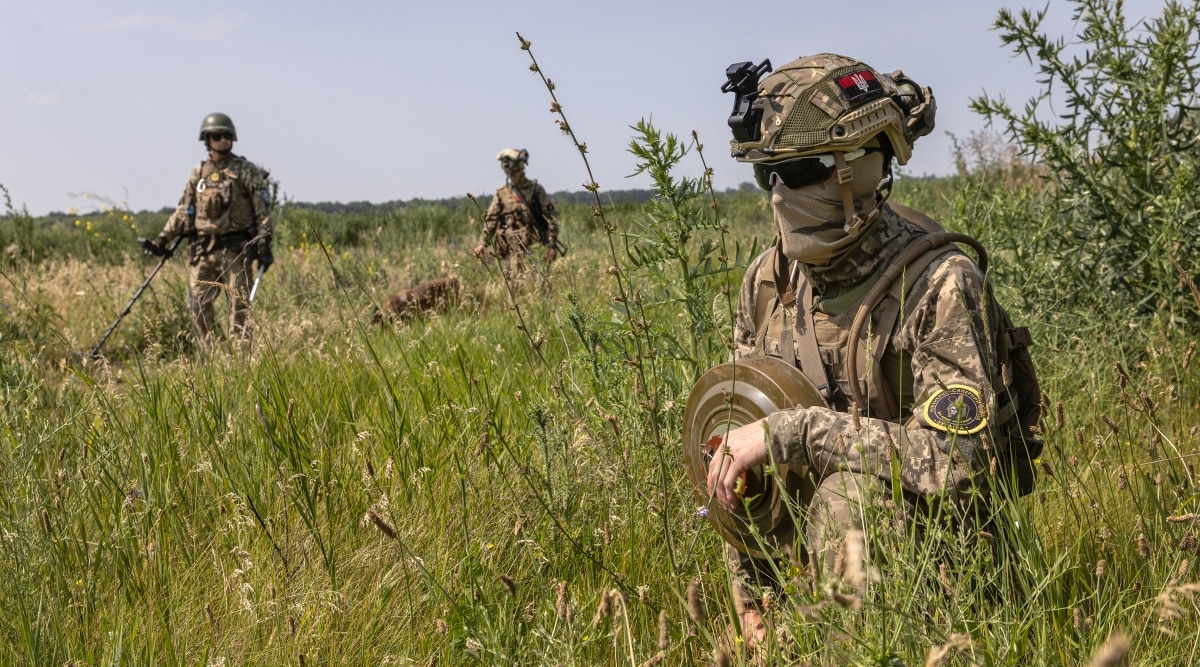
(89, 225)
(133, 226)
(77, 223)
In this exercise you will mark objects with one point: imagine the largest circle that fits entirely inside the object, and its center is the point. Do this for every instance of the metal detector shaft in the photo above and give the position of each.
(167, 255)
(257, 282)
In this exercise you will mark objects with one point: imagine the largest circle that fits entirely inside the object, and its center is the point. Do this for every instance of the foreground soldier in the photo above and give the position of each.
(520, 216)
(225, 213)
(821, 134)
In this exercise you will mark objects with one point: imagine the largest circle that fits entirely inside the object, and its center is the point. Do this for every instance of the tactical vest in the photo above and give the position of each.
(223, 203)
(521, 218)
(883, 374)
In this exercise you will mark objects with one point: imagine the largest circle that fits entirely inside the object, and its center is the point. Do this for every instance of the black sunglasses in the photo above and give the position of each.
(802, 171)
(794, 173)
(217, 136)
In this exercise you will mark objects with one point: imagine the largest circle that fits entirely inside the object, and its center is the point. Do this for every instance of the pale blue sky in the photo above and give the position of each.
(396, 100)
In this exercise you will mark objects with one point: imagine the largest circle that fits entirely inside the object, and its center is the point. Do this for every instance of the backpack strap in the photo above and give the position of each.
(926, 245)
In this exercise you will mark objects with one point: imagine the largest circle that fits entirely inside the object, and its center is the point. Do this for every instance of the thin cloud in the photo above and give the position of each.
(41, 99)
(216, 29)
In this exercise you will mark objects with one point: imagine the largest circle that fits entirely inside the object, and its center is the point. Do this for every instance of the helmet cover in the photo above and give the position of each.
(831, 103)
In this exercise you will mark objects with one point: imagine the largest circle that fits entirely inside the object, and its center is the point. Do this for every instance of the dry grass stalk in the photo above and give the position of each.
(664, 630)
(1168, 607)
(939, 655)
(1112, 653)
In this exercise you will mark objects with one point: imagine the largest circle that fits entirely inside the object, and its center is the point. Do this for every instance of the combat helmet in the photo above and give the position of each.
(511, 155)
(831, 104)
(217, 122)
(826, 110)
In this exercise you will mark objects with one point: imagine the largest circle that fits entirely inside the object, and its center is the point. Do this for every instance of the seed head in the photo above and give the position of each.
(695, 603)
(664, 630)
(382, 524)
(1112, 653)
(1143, 546)
(509, 584)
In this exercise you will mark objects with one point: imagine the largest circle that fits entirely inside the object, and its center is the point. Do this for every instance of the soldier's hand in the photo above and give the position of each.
(744, 448)
(152, 248)
(478, 251)
(551, 255)
(265, 260)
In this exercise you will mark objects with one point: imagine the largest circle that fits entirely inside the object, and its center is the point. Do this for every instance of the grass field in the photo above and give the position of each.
(504, 485)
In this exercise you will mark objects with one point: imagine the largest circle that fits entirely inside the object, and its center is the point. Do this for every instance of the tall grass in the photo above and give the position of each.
(501, 483)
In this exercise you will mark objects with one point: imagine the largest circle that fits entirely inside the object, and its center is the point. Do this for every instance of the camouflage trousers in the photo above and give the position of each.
(512, 250)
(842, 502)
(228, 270)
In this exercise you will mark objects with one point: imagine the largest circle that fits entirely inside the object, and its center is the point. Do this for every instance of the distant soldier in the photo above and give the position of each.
(520, 216)
(225, 213)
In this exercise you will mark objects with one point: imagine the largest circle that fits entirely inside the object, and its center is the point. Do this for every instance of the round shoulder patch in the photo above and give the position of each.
(956, 409)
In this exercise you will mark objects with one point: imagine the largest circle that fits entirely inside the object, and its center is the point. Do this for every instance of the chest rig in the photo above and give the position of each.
(222, 206)
(516, 215)
(845, 344)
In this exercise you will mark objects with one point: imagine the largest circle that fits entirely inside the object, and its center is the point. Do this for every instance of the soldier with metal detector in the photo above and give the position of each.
(225, 213)
(873, 370)
(520, 216)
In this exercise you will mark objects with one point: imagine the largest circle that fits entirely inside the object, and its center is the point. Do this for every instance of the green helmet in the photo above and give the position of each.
(833, 104)
(217, 122)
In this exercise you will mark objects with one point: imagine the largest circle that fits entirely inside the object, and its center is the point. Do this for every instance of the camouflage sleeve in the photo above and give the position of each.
(491, 219)
(942, 443)
(744, 333)
(181, 221)
(258, 189)
(550, 215)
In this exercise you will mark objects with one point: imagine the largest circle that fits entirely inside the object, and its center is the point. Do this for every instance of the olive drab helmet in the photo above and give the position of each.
(217, 122)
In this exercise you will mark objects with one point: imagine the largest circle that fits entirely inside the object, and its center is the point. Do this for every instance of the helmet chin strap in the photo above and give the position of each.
(856, 224)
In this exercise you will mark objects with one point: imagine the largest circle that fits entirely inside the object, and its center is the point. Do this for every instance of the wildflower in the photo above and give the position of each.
(702, 512)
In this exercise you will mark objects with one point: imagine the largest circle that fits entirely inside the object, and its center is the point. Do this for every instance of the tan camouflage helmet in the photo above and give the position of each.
(510, 155)
(833, 104)
(217, 122)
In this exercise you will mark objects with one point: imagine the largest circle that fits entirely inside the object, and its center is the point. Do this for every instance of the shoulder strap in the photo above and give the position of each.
(811, 363)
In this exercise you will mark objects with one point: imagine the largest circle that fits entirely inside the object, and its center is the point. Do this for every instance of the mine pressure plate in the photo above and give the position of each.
(732, 395)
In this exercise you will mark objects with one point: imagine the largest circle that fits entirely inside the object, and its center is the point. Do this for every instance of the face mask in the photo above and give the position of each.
(812, 219)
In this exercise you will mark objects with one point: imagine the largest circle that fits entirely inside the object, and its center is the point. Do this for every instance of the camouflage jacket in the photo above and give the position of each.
(937, 358)
(226, 197)
(524, 214)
